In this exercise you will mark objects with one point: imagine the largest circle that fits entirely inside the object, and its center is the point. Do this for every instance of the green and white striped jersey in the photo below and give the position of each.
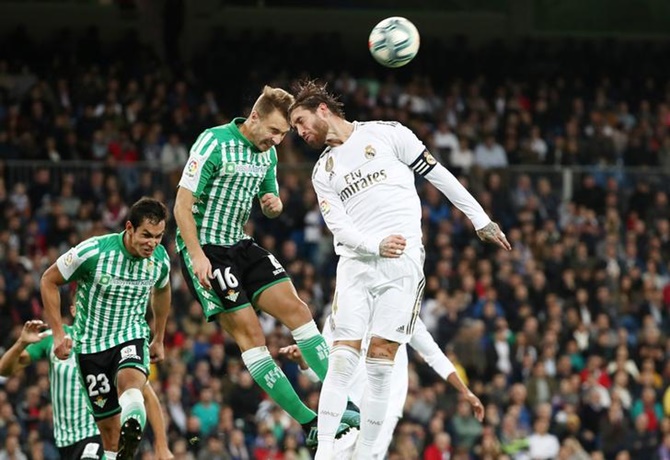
(113, 291)
(225, 171)
(72, 419)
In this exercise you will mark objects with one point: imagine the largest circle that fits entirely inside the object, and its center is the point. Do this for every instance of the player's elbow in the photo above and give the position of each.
(46, 281)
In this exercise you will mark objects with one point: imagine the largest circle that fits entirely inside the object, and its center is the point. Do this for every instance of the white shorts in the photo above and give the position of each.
(380, 296)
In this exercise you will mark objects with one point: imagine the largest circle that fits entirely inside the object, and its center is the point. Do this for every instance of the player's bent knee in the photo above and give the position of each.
(382, 349)
(379, 374)
(130, 377)
(342, 364)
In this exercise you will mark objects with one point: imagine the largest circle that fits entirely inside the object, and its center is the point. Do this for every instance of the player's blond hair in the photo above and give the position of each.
(272, 99)
(310, 94)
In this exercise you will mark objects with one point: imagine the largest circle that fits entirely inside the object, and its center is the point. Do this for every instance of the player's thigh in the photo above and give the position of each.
(132, 364)
(397, 301)
(227, 293)
(86, 449)
(352, 303)
(265, 279)
(98, 372)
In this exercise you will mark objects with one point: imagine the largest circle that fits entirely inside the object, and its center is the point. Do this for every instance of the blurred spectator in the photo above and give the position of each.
(571, 327)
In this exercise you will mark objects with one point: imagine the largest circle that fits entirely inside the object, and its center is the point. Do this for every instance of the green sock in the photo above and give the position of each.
(272, 379)
(132, 405)
(315, 353)
(313, 347)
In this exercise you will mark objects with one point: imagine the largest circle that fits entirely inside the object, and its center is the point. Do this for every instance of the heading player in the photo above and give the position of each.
(364, 181)
(226, 271)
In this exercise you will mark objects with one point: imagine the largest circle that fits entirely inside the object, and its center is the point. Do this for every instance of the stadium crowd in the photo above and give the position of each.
(566, 338)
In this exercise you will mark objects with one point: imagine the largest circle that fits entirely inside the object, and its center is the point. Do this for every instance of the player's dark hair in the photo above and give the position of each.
(272, 99)
(148, 209)
(310, 94)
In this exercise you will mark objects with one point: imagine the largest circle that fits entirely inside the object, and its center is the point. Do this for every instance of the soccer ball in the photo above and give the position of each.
(394, 42)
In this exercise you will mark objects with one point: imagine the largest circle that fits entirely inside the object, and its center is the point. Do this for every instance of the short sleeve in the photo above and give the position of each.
(269, 184)
(203, 161)
(164, 276)
(40, 350)
(79, 260)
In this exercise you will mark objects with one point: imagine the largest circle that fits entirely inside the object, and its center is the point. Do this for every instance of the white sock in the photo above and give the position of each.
(132, 405)
(374, 406)
(306, 331)
(109, 455)
(333, 399)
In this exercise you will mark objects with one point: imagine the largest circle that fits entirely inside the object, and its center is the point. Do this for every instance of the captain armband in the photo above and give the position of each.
(424, 163)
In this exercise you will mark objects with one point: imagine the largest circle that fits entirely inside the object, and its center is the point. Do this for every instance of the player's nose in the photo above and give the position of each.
(276, 139)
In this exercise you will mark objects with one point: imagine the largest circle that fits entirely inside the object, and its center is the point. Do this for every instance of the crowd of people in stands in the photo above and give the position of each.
(565, 338)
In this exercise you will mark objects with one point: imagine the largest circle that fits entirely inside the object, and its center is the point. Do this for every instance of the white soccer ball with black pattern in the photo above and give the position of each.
(394, 42)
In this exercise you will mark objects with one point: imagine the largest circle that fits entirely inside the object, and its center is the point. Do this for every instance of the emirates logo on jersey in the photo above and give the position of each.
(357, 181)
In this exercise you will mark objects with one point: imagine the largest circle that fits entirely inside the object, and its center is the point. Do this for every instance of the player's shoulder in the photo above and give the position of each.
(322, 165)
(209, 139)
(161, 254)
(379, 125)
(89, 245)
(107, 242)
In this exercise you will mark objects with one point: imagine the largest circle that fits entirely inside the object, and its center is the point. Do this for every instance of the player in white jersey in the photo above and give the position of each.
(423, 343)
(364, 181)
(75, 431)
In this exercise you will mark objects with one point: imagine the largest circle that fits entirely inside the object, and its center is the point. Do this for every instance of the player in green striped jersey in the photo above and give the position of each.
(228, 167)
(75, 431)
(116, 277)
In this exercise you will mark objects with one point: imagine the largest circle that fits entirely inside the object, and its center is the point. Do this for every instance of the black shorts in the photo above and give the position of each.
(98, 373)
(241, 272)
(86, 449)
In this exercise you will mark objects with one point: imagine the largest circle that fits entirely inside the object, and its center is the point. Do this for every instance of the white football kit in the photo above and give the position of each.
(423, 343)
(366, 192)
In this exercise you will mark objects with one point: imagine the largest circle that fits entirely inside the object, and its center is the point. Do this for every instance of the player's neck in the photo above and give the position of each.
(128, 246)
(339, 130)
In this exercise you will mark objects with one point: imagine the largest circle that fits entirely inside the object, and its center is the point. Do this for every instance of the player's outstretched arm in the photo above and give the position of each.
(445, 182)
(16, 358)
(183, 215)
(49, 284)
(426, 346)
(155, 416)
